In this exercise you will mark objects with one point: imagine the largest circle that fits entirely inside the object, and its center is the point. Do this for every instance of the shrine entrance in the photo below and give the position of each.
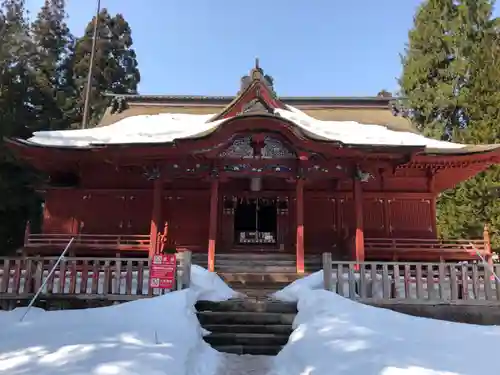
(255, 221)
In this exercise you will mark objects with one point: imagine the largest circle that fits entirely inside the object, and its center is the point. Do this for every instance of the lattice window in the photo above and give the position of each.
(240, 148)
(274, 149)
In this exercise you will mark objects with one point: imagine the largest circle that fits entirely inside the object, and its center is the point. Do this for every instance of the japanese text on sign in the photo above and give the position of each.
(163, 271)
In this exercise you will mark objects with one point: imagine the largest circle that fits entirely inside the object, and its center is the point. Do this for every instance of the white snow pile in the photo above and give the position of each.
(335, 335)
(166, 127)
(152, 336)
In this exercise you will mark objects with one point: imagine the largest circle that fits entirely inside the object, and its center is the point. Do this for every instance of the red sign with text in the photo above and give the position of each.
(163, 271)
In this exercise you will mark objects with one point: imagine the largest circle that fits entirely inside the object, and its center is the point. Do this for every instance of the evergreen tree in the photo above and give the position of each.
(451, 78)
(115, 66)
(16, 115)
(477, 198)
(430, 79)
(54, 41)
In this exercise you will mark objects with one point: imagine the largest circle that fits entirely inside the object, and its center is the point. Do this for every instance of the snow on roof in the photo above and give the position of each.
(167, 127)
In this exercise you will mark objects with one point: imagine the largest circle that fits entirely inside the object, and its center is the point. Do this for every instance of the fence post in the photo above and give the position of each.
(327, 271)
(185, 276)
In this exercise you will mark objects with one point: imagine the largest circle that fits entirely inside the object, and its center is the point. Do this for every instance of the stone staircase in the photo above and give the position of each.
(247, 327)
(258, 275)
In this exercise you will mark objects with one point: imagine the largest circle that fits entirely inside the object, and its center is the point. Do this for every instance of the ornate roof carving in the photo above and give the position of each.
(271, 148)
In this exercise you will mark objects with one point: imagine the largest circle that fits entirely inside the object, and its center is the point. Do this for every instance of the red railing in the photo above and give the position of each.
(395, 249)
(101, 241)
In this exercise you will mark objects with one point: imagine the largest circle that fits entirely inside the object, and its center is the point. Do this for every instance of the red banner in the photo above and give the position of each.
(162, 273)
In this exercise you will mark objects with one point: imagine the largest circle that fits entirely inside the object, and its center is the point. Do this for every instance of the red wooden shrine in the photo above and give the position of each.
(255, 183)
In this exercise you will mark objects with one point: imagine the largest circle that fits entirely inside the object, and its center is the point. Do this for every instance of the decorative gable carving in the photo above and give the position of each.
(272, 148)
(241, 148)
(256, 106)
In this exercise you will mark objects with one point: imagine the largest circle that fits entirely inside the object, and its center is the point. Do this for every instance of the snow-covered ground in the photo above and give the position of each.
(166, 127)
(335, 335)
(332, 335)
(153, 336)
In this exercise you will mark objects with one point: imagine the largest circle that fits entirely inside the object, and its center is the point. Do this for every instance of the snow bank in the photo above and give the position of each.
(293, 292)
(166, 127)
(151, 336)
(209, 287)
(335, 335)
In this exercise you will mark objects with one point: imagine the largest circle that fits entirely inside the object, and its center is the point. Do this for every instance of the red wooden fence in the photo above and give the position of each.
(138, 242)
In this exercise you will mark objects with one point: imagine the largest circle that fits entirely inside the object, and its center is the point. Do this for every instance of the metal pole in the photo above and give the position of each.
(492, 270)
(91, 68)
(47, 279)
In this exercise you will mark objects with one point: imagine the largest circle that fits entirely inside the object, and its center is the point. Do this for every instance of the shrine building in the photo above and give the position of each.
(252, 173)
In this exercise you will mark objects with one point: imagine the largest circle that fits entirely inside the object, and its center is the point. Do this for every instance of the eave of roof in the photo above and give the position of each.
(372, 102)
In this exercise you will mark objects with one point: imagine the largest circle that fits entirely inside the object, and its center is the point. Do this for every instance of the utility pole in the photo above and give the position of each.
(91, 68)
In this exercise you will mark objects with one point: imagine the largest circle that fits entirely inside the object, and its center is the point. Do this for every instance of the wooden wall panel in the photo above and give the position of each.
(190, 220)
(411, 218)
(347, 216)
(103, 213)
(59, 212)
(137, 212)
(373, 217)
(319, 224)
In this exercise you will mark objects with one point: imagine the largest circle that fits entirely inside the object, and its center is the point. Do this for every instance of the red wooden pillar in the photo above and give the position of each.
(358, 214)
(155, 216)
(212, 229)
(299, 241)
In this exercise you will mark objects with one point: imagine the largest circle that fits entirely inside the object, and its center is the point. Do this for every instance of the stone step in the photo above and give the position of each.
(255, 285)
(257, 294)
(247, 339)
(247, 306)
(259, 277)
(255, 318)
(252, 350)
(280, 329)
(254, 256)
(266, 268)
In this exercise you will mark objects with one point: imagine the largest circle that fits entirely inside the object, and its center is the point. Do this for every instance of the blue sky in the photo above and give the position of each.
(310, 47)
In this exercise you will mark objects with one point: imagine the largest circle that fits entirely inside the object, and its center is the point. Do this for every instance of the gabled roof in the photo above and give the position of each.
(256, 95)
(351, 122)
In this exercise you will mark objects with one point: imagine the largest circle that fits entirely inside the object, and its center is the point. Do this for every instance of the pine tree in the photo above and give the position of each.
(430, 80)
(476, 198)
(451, 78)
(54, 41)
(17, 113)
(115, 67)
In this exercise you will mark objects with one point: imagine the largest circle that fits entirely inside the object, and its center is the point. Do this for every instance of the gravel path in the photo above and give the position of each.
(233, 364)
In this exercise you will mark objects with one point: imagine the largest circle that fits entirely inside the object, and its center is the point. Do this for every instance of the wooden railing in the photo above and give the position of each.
(102, 241)
(395, 249)
(412, 282)
(88, 278)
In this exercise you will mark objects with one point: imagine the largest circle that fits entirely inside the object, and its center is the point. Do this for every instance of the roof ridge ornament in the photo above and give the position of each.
(257, 74)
